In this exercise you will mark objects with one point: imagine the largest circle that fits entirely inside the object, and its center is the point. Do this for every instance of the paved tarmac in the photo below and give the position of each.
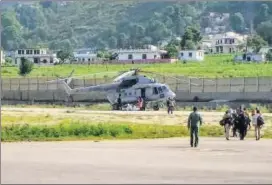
(138, 161)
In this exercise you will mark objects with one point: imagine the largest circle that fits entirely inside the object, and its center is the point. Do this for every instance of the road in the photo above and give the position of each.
(138, 161)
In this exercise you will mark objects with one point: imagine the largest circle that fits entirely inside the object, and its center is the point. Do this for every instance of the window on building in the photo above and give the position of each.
(19, 52)
(30, 52)
(130, 56)
(89, 59)
(23, 52)
(51, 60)
(221, 49)
(230, 50)
(36, 52)
(27, 52)
(155, 56)
(190, 54)
(181, 54)
(144, 56)
(36, 60)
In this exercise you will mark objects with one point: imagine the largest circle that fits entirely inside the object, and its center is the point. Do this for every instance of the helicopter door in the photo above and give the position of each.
(143, 93)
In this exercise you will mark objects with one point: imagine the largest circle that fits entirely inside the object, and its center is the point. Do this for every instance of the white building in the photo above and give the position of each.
(85, 55)
(265, 49)
(229, 42)
(37, 56)
(151, 53)
(191, 55)
(251, 57)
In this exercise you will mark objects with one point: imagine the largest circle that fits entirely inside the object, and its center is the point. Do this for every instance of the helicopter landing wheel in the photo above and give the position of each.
(156, 107)
(115, 107)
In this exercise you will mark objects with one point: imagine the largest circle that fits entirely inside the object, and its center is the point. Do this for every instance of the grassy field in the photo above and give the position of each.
(213, 66)
(74, 124)
(107, 107)
(83, 131)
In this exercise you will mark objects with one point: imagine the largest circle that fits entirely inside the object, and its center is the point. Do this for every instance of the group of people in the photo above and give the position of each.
(240, 120)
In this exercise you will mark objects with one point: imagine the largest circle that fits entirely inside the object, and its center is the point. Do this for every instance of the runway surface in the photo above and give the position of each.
(138, 161)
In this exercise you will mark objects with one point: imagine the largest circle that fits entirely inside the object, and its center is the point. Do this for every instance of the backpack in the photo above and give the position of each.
(260, 121)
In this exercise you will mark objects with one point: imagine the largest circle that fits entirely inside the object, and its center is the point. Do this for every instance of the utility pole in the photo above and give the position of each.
(0, 67)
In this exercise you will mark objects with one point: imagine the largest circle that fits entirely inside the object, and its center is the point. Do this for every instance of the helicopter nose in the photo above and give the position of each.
(173, 95)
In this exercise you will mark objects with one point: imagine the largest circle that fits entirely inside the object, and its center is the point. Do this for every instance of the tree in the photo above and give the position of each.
(269, 56)
(64, 55)
(237, 22)
(190, 39)
(256, 42)
(25, 67)
(262, 15)
(112, 42)
(264, 30)
(171, 50)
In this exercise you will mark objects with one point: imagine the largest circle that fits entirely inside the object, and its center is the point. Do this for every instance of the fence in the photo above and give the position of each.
(37, 88)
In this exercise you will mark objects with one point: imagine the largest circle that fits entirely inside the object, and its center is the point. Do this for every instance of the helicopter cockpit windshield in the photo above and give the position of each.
(160, 89)
(152, 80)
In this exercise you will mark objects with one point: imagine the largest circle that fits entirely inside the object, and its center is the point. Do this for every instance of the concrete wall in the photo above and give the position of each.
(186, 89)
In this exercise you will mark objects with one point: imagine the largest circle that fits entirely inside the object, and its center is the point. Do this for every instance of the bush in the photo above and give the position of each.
(25, 67)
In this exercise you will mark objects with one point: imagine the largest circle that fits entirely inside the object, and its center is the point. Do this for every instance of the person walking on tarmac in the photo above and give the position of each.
(170, 105)
(140, 103)
(257, 122)
(119, 102)
(227, 123)
(194, 122)
(243, 123)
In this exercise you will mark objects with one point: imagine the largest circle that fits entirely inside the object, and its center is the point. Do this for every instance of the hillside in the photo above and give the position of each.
(121, 24)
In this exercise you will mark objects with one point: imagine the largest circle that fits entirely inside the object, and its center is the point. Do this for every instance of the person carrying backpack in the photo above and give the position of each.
(242, 125)
(227, 122)
(258, 122)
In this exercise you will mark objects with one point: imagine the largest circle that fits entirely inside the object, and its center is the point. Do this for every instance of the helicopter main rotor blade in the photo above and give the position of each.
(154, 73)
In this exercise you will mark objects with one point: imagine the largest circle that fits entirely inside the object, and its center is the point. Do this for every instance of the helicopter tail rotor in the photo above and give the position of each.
(64, 82)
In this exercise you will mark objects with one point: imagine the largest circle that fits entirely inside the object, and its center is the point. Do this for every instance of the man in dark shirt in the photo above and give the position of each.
(194, 122)
(119, 102)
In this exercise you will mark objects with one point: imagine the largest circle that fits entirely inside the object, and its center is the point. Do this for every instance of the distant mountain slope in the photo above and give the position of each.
(117, 24)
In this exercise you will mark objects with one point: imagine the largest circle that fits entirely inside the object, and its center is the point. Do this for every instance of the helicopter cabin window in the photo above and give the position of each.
(130, 56)
(144, 56)
(155, 90)
(160, 89)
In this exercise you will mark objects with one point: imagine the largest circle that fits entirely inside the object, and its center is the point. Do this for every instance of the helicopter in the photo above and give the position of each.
(129, 86)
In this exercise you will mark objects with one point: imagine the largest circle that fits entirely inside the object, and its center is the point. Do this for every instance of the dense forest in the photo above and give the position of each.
(122, 24)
